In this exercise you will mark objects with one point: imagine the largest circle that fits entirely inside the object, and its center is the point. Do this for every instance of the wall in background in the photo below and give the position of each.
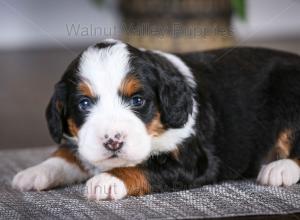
(38, 28)
(269, 20)
(35, 24)
(29, 24)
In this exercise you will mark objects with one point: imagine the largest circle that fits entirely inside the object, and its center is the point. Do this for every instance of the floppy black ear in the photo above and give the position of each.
(175, 97)
(55, 112)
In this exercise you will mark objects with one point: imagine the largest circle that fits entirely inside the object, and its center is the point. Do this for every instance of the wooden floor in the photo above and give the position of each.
(26, 84)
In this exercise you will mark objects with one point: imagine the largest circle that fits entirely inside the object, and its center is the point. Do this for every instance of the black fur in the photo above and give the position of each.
(64, 93)
(166, 83)
(55, 112)
(244, 99)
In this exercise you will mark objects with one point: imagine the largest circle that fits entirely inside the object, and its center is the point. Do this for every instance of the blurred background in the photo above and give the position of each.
(39, 38)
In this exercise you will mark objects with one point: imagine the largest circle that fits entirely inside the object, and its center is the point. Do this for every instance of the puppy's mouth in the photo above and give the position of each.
(107, 158)
(114, 155)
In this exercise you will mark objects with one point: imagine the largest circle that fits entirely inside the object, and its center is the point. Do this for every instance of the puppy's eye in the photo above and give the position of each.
(85, 104)
(137, 101)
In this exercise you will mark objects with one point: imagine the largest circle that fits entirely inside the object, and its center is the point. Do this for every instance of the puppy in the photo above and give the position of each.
(138, 121)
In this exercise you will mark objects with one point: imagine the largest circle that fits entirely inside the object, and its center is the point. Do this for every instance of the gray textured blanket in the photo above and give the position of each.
(237, 198)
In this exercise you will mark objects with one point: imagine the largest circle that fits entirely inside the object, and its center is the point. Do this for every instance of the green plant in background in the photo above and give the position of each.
(239, 7)
(98, 2)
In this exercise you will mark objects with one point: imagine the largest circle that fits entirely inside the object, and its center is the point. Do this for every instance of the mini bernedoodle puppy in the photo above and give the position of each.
(137, 121)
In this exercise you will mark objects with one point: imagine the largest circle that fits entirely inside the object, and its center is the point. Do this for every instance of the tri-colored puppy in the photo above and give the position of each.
(138, 121)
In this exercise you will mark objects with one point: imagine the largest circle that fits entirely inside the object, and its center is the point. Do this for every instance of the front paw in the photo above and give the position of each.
(283, 172)
(40, 177)
(105, 186)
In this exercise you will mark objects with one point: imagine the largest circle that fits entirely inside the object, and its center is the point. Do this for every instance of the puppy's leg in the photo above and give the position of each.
(61, 169)
(150, 177)
(284, 171)
(118, 183)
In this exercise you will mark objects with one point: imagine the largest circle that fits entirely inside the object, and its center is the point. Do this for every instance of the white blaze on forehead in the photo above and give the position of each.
(105, 68)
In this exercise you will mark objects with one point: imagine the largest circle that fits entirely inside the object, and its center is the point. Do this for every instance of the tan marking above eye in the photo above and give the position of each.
(130, 86)
(85, 89)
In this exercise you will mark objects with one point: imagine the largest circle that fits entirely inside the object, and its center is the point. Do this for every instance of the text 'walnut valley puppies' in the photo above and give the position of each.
(138, 121)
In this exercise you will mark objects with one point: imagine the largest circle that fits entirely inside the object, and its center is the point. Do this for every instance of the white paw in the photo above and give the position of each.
(52, 172)
(284, 172)
(105, 186)
(34, 178)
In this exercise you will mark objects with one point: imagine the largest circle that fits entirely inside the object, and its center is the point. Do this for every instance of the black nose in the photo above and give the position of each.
(113, 145)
